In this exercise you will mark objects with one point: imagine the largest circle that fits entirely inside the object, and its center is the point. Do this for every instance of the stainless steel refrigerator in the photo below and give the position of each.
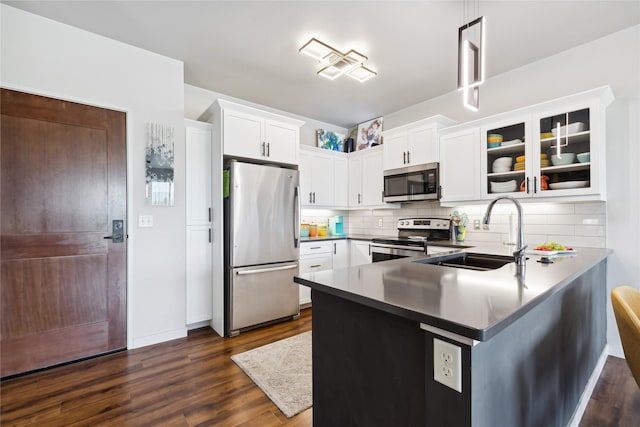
(262, 244)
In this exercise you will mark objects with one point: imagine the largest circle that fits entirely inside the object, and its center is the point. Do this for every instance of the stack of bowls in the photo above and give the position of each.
(544, 162)
(502, 164)
(494, 140)
(520, 163)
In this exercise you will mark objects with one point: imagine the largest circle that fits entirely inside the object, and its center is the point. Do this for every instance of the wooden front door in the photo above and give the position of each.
(63, 184)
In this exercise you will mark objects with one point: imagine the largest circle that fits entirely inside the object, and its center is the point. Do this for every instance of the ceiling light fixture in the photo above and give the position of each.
(335, 63)
(471, 60)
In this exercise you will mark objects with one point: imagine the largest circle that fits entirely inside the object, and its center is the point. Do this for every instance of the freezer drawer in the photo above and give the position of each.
(260, 294)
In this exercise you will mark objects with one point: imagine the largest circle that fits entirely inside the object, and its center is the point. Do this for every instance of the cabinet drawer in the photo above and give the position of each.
(310, 248)
(316, 263)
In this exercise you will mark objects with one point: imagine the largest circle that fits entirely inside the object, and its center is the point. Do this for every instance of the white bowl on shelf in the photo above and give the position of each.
(566, 159)
(503, 187)
(502, 162)
(568, 184)
(569, 129)
(501, 169)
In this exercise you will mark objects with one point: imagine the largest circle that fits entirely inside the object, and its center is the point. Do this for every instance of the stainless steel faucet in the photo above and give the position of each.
(518, 255)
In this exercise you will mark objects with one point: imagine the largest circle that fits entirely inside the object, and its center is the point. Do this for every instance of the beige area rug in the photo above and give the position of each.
(282, 370)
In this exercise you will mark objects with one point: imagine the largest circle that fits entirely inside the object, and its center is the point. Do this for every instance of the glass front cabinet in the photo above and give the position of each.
(554, 150)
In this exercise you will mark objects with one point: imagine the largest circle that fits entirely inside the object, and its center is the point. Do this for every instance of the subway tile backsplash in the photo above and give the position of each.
(572, 224)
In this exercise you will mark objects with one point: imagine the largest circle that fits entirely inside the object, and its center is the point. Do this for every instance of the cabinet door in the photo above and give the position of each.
(340, 253)
(460, 165)
(323, 180)
(395, 151)
(310, 264)
(355, 181)
(198, 170)
(422, 146)
(306, 178)
(199, 276)
(372, 179)
(507, 167)
(359, 252)
(243, 134)
(569, 142)
(282, 142)
(341, 182)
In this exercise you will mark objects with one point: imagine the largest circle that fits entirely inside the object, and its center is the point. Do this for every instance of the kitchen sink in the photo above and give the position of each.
(470, 261)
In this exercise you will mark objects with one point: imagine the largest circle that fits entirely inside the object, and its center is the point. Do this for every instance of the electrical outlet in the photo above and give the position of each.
(476, 224)
(447, 364)
(380, 222)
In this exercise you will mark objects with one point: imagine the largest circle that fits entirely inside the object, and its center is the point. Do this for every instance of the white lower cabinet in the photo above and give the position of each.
(359, 252)
(314, 256)
(340, 253)
(199, 274)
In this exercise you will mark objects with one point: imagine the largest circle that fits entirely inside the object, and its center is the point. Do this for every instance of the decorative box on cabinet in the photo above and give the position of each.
(413, 144)
(254, 134)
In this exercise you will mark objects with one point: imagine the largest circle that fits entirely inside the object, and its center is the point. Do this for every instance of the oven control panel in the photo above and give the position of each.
(424, 224)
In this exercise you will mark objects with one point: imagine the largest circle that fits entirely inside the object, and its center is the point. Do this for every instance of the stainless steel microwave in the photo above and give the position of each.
(419, 182)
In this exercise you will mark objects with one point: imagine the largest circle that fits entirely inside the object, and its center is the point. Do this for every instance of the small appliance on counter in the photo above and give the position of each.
(336, 227)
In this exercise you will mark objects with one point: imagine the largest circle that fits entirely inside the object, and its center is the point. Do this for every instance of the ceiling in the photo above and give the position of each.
(249, 50)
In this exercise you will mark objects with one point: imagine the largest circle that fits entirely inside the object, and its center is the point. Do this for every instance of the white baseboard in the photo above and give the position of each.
(158, 338)
(588, 390)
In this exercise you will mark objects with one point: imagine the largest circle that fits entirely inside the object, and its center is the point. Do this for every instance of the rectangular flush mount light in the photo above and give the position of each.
(335, 63)
(471, 54)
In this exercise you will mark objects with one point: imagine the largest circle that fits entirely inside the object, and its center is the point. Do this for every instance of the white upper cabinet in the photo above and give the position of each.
(198, 169)
(413, 144)
(255, 134)
(340, 183)
(366, 179)
(553, 151)
(460, 165)
(317, 178)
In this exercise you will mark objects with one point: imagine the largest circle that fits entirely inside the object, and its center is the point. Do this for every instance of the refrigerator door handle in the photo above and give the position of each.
(296, 217)
(265, 270)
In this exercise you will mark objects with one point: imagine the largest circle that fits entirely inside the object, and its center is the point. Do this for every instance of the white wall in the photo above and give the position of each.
(613, 60)
(197, 100)
(45, 57)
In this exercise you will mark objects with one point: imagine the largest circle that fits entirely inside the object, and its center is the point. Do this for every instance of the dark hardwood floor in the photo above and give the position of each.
(193, 382)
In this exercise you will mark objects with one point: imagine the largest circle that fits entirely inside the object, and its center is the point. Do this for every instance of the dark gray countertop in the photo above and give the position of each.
(474, 304)
(367, 237)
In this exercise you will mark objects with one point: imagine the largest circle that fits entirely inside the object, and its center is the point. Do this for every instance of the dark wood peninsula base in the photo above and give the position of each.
(374, 367)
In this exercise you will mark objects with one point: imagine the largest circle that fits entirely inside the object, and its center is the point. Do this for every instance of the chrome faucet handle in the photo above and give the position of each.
(520, 251)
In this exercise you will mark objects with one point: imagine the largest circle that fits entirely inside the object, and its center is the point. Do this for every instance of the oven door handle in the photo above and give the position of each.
(388, 246)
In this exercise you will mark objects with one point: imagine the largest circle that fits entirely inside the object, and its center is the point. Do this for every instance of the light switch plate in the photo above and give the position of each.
(145, 220)
(447, 364)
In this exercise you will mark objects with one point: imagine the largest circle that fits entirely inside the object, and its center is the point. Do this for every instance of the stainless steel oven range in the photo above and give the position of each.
(414, 237)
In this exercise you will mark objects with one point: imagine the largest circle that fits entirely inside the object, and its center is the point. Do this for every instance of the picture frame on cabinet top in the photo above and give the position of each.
(369, 134)
(329, 140)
